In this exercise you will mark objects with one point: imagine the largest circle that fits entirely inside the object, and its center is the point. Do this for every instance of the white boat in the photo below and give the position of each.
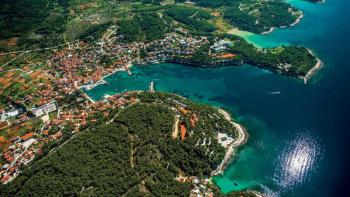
(274, 92)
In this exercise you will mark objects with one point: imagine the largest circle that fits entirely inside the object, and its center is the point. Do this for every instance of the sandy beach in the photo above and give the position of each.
(238, 32)
(267, 32)
(241, 139)
(297, 20)
(314, 69)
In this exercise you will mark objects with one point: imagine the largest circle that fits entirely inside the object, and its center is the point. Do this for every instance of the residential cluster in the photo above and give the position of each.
(200, 188)
(87, 64)
(23, 149)
(21, 152)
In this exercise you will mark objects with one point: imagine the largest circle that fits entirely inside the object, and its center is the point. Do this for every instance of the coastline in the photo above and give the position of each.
(268, 32)
(240, 140)
(238, 32)
(297, 20)
(87, 96)
(272, 29)
(256, 193)
(102, 80)
(314, 69)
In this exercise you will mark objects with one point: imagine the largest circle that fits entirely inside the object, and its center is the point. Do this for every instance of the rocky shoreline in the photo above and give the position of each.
(314, 69)
(241, 139)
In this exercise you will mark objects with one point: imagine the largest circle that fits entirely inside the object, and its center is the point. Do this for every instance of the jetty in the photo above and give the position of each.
(151, 87)
(87, 97)
(126, 68)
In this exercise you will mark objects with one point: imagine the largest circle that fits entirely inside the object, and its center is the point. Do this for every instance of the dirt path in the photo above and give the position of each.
(176, 128)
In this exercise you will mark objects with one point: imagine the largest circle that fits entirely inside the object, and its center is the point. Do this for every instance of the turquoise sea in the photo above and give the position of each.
(299, 134)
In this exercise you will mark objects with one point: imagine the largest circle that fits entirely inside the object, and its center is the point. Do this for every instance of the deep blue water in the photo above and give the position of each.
(299, 139)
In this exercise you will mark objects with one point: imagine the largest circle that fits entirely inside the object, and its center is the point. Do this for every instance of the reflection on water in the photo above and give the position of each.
(296, 162)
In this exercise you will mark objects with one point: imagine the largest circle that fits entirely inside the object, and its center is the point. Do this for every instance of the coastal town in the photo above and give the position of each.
(62, 108)
(86, 64)
(27, 118)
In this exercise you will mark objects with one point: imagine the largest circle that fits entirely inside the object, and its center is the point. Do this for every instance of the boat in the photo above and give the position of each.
(274, 92)
(129, 72)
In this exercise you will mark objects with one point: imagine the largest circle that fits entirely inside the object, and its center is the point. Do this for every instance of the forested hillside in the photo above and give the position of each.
(41, 23)
(135, 155)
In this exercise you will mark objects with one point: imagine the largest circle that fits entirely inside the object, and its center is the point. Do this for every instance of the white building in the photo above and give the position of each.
(45, 109)
(221, 45)
(224, 140)
(10, 114)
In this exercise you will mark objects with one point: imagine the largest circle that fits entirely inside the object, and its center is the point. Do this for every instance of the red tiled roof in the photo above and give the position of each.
(27, 136)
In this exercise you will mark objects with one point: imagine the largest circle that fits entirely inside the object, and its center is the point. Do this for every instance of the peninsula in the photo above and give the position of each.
(137, 152)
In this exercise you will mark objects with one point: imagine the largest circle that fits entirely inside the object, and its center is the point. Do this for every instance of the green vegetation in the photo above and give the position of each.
(290, 60)
(96, 158)
(42, 23)
(259, 16)
(36, 22)
(143, 26)
(194, 19)
(21, 16)
(214, 4)
(60, 21)
(95, 32)
(253, 15)
(133, 156)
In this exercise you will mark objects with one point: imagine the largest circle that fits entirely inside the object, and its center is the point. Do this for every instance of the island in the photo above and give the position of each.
(154, 144)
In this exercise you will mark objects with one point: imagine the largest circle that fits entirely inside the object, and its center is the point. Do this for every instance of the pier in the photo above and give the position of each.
(151, 87)
(129, 72)
(126, 68)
